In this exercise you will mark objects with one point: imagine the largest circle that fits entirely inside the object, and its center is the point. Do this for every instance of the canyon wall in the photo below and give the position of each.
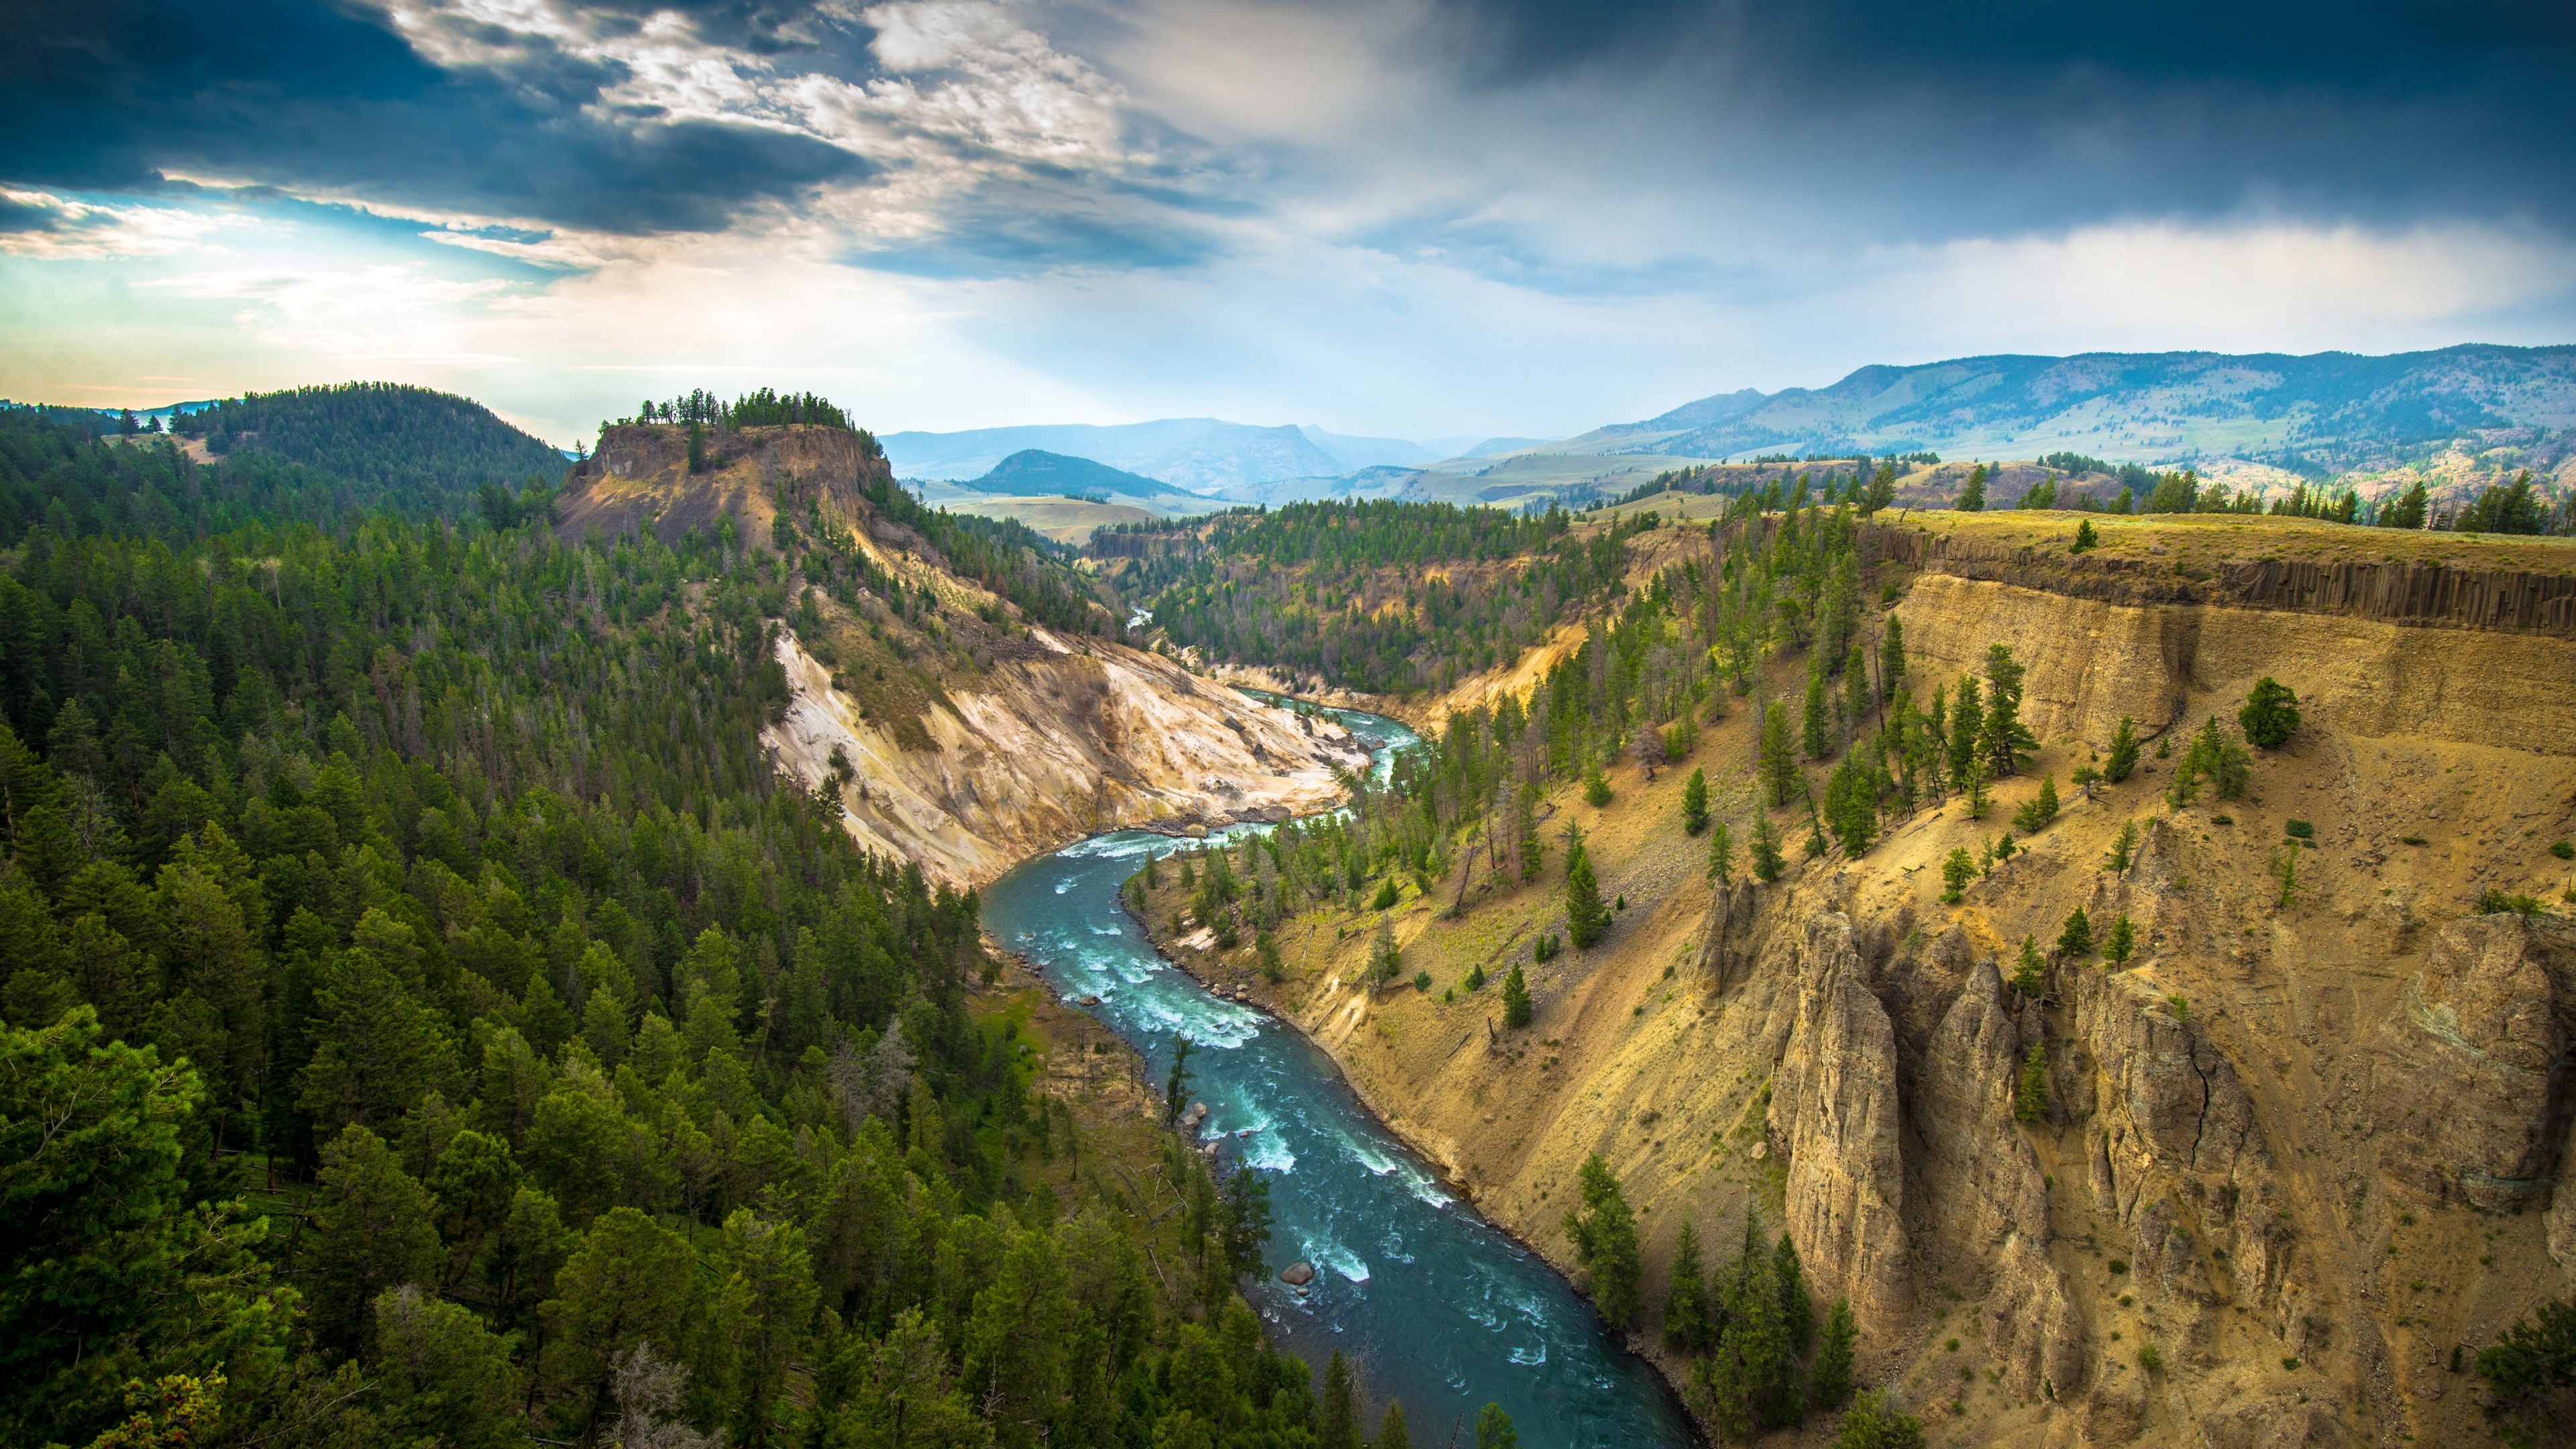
(2279, 1174)
(951, 731)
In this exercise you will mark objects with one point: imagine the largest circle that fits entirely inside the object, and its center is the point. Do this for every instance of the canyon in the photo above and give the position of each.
(2295, 1161)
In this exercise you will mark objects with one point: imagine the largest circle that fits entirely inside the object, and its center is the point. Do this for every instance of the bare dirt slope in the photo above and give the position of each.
(954, 732)
(2295, 1152)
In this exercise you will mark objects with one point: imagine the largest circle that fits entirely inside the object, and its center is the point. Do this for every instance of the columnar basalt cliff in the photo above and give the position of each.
(955, 732)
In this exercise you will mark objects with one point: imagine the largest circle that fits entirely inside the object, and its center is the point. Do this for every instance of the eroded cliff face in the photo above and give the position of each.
(2284, 1160)
(1041, 751)
(953, 731)
(1833, 1115)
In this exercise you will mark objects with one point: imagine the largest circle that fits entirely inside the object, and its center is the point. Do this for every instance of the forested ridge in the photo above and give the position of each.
(57, 472)
(430, 1020)
(1380, 597)
(434, 445)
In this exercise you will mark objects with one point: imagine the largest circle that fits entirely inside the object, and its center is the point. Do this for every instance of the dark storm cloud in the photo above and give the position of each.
(108, 97)
(1945, 118)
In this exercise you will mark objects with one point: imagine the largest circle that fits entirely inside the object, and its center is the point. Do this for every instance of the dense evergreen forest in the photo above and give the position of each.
(56, 471)
(1381, 597)
(428, 448)
(428, 1019)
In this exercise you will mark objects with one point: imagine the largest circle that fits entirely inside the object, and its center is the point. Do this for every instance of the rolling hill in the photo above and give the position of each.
(1034, 472)
(2329, 412)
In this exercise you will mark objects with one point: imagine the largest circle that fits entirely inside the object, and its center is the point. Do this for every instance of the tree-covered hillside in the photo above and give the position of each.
(428, 1019)
(411, 439)
(66, 477)
(1382, 597)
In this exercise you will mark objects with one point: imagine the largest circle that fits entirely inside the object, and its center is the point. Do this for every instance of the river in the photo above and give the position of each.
(1439, 1309)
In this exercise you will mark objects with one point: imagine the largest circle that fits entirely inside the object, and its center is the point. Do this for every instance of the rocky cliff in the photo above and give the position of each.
(2273, 1179)
(953, 729)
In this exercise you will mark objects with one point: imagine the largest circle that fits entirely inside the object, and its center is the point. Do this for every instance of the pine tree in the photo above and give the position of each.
(1818, 734)
(2005, 742)
(1856, 690)
(1337, 1414)
(1967, 720)
(1779, 759)
(1695, 803)
(1956, 872)
(1851, 805)
(1972, 783)
(2270, 715)
(1829, 1378)
(1768, 863)
(1891, 658)
(1604, 1231)
(1587, 919)
(1789, 1280)
(2030, 1088)
(2123, 760)
(441, 1376)
(1688, 1327)
(1516, 999)
(1386, 959)
(1176, 1087)
(2034, 816)
(1752, 1380)
(1533, 851)
(375, 1228)
(2076, 941)
(2122, 943)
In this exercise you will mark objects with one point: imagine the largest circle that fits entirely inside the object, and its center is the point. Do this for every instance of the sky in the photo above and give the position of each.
(1406, 218)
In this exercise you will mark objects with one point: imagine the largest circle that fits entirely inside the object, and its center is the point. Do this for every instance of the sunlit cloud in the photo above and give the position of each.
(43, 226)
(1413, 216)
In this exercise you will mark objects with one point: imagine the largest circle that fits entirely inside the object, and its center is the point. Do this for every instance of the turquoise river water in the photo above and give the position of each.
(1440, 1310)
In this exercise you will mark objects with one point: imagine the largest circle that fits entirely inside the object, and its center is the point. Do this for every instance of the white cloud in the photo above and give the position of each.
(73, 230)
(2264, 285)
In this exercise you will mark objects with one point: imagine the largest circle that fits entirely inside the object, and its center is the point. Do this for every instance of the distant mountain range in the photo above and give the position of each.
(1200, 455)
(2329, 411)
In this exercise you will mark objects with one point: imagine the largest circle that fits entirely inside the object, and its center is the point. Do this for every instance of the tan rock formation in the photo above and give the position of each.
(2477, 1045)
(1987, 1194)
(1043, 751)
(1834, 1113)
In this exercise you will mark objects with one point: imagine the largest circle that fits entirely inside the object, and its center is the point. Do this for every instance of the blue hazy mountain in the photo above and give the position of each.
(1201, 455)
(2329, 409)
(1034, 472)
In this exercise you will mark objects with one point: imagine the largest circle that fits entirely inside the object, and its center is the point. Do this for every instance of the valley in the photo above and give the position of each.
(2281, 1164)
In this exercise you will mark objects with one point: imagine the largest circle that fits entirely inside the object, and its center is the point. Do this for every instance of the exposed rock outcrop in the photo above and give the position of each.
(2175, 1152)
(1988, 1195)
(1040, 752)
(2472, 1100)
(1834, 1112)
(1728, 946)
